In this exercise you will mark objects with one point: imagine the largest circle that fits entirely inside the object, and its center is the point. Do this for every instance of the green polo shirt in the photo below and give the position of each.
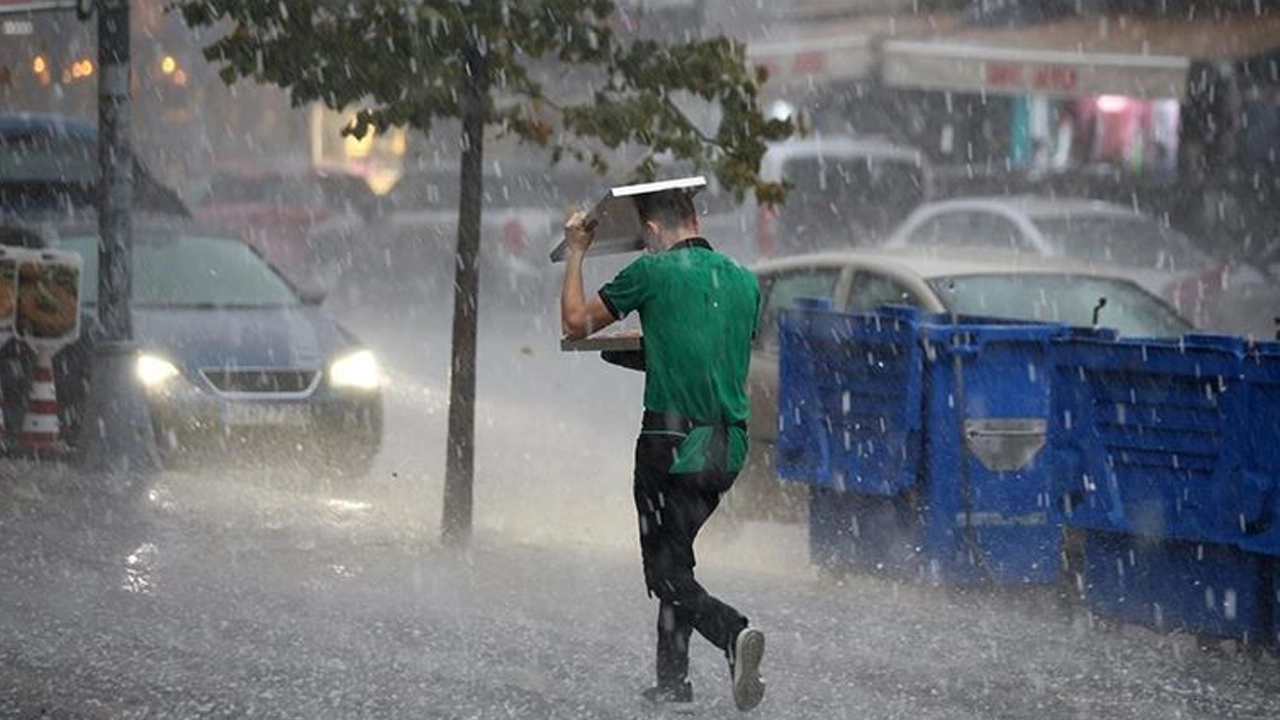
(698, 312)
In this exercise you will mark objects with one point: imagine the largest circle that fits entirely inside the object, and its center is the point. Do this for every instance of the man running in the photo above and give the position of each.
(698, 312)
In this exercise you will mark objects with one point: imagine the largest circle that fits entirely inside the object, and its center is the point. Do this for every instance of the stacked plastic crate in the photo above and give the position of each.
(1259, 516)
(957, 450)
(922, 437)
(1151, 435)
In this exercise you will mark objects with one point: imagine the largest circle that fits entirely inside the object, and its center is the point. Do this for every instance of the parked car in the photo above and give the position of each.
(236, 361)
(1003, 285)
(306, 222)
(846, 191)
(50, 162)
(1104, 235)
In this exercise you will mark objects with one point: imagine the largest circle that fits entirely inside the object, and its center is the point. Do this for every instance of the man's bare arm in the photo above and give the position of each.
(580, 316)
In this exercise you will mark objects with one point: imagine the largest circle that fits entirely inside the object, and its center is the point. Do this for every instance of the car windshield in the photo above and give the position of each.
(1128, 241)
(177, 270)
(1069, 299)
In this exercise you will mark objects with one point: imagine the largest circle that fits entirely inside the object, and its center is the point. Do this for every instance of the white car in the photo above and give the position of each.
(1102, 235)
(846, 191)
(992, 284)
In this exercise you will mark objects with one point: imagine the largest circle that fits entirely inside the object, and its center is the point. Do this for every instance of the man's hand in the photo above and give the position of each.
(578, 233)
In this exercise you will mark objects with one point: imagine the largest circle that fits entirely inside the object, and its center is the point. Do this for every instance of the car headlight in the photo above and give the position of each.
(155, 372)
(358, 370)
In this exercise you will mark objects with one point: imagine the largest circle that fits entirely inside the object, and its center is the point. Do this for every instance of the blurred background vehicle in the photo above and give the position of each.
(987, 283)
(845, 191)
(236, 361)
(1102, 235)
(50, 162)
(306, 221)
(412, 245)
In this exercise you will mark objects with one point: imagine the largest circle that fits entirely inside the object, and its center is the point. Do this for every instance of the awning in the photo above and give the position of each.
(843, 50)
(1108, 55)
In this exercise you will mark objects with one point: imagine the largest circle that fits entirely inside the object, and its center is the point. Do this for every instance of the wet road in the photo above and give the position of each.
(234, 593)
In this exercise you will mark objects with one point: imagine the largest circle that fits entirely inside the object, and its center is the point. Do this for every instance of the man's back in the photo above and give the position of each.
(698, 310)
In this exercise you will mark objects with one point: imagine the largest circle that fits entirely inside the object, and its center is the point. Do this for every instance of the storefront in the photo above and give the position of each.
(828, 71)
(1144, 94)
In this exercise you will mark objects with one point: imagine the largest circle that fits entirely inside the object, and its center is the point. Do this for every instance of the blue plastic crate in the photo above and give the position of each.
(1260, 481)
(870, 533)
(849, 400)
(1271, 575)
(924, 441)
(993, 511)
(1149, 435)
(1202, 588)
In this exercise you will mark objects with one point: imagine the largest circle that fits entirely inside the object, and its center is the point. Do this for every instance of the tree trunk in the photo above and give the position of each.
(460, 463)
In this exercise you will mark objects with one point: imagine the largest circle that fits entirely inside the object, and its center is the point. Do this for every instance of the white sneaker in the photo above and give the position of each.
(744, 667)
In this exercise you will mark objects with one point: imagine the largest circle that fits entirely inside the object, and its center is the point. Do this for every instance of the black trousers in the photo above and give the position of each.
(672, 507)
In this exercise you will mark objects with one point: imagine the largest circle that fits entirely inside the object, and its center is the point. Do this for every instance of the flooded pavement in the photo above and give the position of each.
(245, 592)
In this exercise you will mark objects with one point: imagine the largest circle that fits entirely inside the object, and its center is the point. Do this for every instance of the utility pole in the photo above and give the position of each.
(116, 433)
(115, 166)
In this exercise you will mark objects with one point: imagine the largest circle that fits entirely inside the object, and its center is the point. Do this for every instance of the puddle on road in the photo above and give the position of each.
(139, 569)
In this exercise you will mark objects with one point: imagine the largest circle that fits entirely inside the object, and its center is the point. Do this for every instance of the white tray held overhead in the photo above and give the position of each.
(617, 221)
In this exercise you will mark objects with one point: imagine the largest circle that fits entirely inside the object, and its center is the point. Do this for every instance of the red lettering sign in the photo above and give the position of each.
(1002, 74)
(1052, 78)
(810, 62)
(1055, 77)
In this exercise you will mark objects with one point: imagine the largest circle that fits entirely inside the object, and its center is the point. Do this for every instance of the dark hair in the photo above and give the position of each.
(670, 208)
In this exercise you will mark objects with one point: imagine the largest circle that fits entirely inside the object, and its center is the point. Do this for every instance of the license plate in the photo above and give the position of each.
(266, 414)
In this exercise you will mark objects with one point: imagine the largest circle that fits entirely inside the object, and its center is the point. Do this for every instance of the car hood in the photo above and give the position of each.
(295, 337)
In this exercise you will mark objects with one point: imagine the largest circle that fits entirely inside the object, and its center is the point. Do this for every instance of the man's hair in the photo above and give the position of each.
(670, 208)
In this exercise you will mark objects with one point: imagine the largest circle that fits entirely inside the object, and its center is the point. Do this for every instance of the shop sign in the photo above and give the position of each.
(1033, 77)
(815, 60)
(18, 27)
(963, 67)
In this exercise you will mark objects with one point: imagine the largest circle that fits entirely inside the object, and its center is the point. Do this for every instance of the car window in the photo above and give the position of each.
(995, 231)
(178, 270)
(930, 231)
(870, 290)
(1135, 241)
(970, 229)
(780, 291)
(1069, 299)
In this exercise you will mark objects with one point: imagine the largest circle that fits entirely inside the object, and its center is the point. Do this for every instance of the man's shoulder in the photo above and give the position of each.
(739, 270)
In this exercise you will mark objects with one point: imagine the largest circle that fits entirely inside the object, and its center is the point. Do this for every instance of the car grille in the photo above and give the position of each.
(274, 382)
